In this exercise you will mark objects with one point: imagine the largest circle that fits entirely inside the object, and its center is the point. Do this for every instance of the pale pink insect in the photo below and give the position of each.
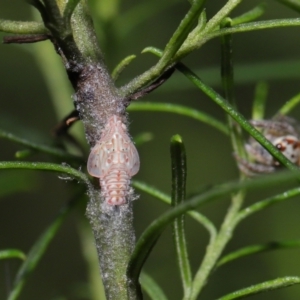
(114, 159)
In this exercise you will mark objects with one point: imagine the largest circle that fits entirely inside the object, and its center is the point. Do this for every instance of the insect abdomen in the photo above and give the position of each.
(115, 186)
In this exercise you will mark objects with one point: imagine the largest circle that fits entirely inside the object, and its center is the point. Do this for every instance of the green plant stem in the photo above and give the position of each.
(40, 148)
(181, 33)
(178, 158)
(152, 288)
(216, 247)
(151, 234)
(181, 110)
(12, 253)
(227, 76)
(171, 48)
(229, 109)
(121, 66)
(262, 287)
(266, 203)
(236, 116)
(244, 213)
(207, 224)
(197, 41)
(250, 15)
(259, 102)
(255, 249)
(258, 25)
(40, 247)
(96, 99)
(289, 105)
(46, 167)
(22, 27)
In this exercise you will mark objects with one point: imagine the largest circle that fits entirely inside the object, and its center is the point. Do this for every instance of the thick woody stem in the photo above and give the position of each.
(95, 99)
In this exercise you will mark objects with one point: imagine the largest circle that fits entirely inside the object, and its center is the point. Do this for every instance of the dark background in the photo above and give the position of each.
(33, 99)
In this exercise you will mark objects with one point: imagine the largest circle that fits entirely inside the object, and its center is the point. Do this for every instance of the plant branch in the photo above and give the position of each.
(244, 213)
(255, 249)
(237, 117)
(152, 288)
(262, 287)
(22, 27)
(171, 48)
(40, 247)
(181, 110)
(207, 224)
(12, 253)
(41, 148)
(151, 234)
(45, 167)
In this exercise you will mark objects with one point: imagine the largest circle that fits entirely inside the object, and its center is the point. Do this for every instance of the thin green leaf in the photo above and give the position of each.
(167, 199)
(152, 289)
(143, 138)
(240, 119)
(266, 203)
(252, 26)
(227, 63)
(40, 148)
(181, 32)
(151, 234)
(168, 57)
(12, 253)
(250, 15)
(121, 66)
(69, 9)
(255, 249)
(178, 159)
(228, 108)
(196, 39)
(289, 105)
(22, 27)
(45, 167)
(202, 21)
(260, 98)
(181, 110)
(244, 74)
(39, 248)
(224, 12)
(21, 154)
(151, 191)
(227, 76)
(262, 287)
(293, 4)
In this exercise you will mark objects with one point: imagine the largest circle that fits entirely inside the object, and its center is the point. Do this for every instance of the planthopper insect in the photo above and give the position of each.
(114, 160)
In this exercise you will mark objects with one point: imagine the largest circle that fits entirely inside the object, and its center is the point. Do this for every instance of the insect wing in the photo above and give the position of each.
(98, 165)
(133, 159)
